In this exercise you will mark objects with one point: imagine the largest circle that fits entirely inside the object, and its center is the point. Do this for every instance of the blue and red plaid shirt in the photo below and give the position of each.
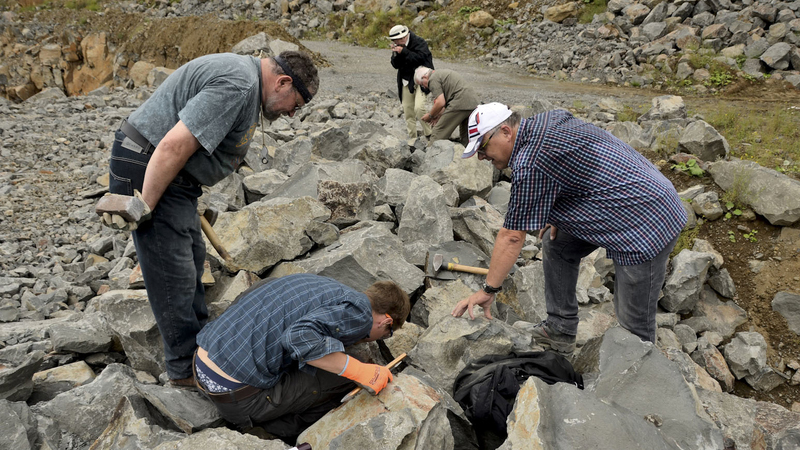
(298, 318)
(585, 181)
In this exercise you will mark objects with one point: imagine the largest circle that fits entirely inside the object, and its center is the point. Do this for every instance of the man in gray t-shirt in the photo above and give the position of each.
(453, 102)
(194, 130)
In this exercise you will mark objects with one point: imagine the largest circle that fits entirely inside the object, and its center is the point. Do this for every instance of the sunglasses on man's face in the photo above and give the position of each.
(482, 150)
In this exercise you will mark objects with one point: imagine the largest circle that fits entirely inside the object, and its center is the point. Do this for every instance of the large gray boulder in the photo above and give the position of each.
(444, 164)
(17, 426)
(702, 140)
(685, 283)
(665, 107)
(51, 382)
(724, 316)
(529, 284)
(449, 345)
(408, 413)
(771, 194)
(752, 424)
(362, 256)
(134, 427)
(222, 439)
(636, 376)
(477, 222)
(129, 317)
(562, 416)
(380, 154)
(89, 335)
(304, 181)
(86, 410)
(746, 354)
(787, 305)
(392, 188)
(263, 233)
(16, 377)
(425, 220)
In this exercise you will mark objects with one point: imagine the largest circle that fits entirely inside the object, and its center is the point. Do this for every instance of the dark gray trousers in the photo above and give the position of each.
(289, 407)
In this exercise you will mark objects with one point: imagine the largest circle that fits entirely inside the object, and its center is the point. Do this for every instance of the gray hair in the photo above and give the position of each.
(420, 72)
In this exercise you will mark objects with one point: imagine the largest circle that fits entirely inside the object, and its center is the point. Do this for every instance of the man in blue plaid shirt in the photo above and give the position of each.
(258, 361)
(590, 190)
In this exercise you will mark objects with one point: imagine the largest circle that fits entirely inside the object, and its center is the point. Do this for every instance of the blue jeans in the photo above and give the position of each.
(171, 254)
(636, 288)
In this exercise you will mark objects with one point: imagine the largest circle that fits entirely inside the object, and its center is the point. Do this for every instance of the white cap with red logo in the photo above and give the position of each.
(484, 118)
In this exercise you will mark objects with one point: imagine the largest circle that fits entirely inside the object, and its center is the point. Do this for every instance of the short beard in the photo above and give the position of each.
(268, 111)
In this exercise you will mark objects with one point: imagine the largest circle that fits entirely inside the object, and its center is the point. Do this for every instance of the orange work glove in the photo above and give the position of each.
(371, 377)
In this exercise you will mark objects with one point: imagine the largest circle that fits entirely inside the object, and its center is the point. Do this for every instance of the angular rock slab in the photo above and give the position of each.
(724, 316)
(477, 224)
(86, 410)
(562, 416)
(222, 439)
(266, 232)
(15, 421)
(188, 410)
(771, 194)
(303, 183)
(787, 305)
(635, 375)
(49, 383)
(685, 282)
(752, 424)
(449, 345)
(128, 315)
(132, 426)
(425, 218)
(16, 378)
(437, 302)
(444, 164)
(408, 413)
(360, 258)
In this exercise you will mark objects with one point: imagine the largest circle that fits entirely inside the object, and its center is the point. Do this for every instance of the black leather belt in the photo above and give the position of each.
(136, 137)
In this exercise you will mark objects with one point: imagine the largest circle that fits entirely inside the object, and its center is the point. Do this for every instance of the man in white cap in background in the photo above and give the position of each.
(590, 190)
(410, 51)
(453, 102)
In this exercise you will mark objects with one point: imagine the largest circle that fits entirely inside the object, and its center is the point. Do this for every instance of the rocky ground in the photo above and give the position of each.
(54, 155)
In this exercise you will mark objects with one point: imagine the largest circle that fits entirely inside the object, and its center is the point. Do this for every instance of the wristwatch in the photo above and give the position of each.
(491, 289)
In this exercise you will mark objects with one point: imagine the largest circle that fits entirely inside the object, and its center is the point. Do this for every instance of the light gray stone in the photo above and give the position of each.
(685, 281)
(746, 354)
(771, 194)
(702, 140)
(787, 304)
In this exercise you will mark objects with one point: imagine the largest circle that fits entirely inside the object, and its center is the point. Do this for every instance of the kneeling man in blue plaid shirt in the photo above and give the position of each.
(590, 190)
(258, 362)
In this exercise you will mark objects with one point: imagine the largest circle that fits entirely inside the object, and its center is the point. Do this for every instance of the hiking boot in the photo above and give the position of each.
(183, 383)
(547, 337)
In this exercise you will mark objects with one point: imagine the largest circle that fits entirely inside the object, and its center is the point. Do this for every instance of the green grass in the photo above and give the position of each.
(767, 137)
(89, 5)
(444, 32)
(685, 240)
(591, 8)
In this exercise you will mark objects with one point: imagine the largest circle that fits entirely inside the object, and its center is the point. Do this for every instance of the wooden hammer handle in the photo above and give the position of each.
(468, 269)
(214, 239)
(358, 389)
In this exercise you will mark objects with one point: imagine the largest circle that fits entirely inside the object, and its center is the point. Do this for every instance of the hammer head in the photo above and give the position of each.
(130, 208)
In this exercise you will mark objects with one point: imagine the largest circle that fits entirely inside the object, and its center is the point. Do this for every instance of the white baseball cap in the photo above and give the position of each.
(398, 31)
(484, 118)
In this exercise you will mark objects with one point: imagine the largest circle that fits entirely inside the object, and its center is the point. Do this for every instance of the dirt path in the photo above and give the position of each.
(368, 69)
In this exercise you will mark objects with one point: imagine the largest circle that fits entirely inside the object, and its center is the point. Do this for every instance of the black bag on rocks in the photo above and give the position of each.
(487, 388)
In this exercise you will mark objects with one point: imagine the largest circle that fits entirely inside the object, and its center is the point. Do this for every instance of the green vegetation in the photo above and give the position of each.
(685, 240)
(751, 236)
(771, 138)
(628, 114)
(590, 8)
(690, 167)
(89, 5)
(467, 10)
(443, 32)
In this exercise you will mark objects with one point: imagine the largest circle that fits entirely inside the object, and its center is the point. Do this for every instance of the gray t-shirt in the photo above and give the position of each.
(457, 95)
(218, 97)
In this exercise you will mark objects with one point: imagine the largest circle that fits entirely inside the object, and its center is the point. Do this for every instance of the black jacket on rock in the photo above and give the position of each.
(414, 54)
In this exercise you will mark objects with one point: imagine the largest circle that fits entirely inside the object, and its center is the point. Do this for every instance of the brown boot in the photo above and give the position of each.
(183, 383)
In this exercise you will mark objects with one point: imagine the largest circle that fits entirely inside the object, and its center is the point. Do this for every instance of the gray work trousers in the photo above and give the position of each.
(636, 288)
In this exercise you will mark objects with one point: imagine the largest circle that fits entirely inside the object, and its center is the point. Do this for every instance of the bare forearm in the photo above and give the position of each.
(168, 159)
(507, 247)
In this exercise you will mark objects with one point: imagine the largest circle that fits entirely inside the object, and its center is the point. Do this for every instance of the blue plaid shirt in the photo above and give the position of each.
(592, 185)
(293, 318)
